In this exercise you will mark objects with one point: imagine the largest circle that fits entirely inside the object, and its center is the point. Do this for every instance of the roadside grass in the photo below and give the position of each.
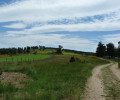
(119, 64)
(53, 79)
(111, 83)
(24, 58)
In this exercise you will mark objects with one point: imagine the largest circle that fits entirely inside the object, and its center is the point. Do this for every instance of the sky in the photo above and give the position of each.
(74, 24)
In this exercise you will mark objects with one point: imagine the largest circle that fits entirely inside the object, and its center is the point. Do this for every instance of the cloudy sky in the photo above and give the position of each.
(75, 24)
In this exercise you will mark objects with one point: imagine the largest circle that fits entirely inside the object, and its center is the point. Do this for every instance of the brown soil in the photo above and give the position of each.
(14, 78)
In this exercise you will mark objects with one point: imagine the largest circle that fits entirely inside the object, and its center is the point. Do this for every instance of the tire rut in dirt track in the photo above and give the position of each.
(94, 86)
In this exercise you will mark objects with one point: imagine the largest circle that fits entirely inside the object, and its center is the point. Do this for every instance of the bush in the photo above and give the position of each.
(78, 59)
(72, 59)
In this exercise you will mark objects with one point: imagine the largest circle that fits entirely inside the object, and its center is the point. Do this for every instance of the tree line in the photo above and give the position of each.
(109, 50)
(20, 50)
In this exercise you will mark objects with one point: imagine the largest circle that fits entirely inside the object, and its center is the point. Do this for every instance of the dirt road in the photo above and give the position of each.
(104, 84)
(94, 86)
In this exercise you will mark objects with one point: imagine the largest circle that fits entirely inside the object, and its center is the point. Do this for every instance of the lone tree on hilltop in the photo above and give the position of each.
(59, 50)
(100, 52)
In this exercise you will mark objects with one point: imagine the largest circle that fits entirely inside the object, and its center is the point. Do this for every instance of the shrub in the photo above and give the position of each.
(72, 59)
(76, 58)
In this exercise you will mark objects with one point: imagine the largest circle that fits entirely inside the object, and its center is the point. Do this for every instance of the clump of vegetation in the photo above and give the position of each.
(77, 59)
(72, 59)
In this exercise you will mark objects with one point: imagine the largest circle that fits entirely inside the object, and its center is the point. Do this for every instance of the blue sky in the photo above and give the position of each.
(75, 24)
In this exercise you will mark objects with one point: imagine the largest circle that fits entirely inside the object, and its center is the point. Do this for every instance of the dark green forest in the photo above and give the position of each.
(109, 50)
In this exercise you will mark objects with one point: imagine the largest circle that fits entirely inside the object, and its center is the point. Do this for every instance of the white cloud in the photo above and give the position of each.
(98, 26)
(42, 11)
(16, 25)
(45, 10)
(112, 38)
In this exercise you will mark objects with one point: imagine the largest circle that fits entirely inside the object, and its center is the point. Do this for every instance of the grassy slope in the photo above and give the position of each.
(54, 79)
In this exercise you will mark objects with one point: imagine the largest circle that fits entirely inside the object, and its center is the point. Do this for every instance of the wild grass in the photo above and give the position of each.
(53, 79)
(111, 83)
(7, 88)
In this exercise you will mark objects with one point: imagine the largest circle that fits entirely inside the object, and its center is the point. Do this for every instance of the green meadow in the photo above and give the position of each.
(51, 79)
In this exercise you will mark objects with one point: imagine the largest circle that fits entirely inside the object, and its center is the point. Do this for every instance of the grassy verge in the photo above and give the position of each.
(53, 79)
(111, 83)
(119, 64)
